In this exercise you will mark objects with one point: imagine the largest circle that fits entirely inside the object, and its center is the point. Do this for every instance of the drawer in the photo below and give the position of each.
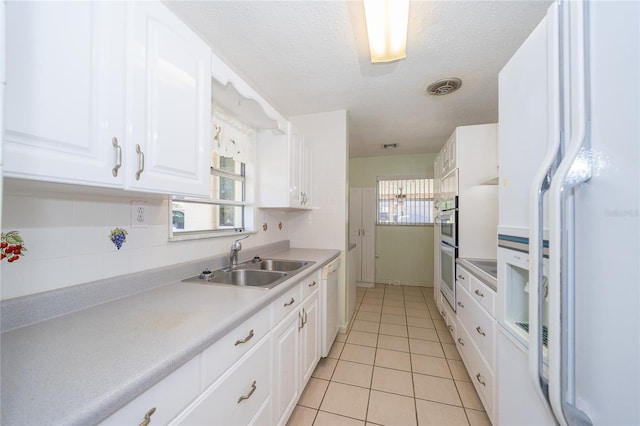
(478, 323)
(483, 295)
(169, 397)
(481, 375)
(286, 303)
(217, 358)
(310, 284)
(463, 276)
(238, 396)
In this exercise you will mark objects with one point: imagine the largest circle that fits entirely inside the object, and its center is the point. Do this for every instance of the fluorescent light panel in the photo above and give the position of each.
(387, 22)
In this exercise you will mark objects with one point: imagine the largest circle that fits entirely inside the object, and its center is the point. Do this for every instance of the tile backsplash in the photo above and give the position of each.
(68, 239)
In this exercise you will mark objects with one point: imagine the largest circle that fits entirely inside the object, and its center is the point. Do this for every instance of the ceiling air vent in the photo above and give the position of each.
(444, 86)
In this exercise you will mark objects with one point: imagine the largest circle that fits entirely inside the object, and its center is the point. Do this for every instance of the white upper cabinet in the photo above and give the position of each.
(89, 82)
(169, 103)
(285, 170)
(65, 91)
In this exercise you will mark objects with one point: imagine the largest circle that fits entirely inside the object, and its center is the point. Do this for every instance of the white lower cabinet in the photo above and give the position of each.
(238, 396)
(475, 340)
(164, 401)
(296, 352)
(254, 375)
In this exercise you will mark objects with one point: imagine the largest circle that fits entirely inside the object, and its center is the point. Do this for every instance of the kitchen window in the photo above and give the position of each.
(227, 211)
(404, 201)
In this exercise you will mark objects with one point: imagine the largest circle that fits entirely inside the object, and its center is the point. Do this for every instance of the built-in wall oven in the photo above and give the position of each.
(448, 249)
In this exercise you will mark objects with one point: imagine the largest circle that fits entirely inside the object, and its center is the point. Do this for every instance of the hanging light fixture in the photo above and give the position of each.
(387, 22)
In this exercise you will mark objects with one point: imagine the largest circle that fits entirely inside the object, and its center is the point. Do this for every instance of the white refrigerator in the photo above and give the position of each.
(568, 347)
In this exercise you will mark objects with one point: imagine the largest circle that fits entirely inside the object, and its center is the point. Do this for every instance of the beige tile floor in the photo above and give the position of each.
(397, 365)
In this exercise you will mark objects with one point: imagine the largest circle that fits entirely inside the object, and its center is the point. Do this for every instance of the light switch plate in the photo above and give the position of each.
(139, 214)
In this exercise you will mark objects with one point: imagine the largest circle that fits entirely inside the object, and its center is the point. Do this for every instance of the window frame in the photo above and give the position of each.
(428, 210)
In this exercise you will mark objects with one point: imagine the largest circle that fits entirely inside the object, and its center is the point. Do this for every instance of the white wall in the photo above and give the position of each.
(66, 234)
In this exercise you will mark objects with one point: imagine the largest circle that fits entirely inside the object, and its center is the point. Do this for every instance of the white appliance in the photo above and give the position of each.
(569, 151)
(448, 256)
(330, 310)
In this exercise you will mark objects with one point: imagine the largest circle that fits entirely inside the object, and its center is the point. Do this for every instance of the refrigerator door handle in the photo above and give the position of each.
(574, 170)
(540, 185)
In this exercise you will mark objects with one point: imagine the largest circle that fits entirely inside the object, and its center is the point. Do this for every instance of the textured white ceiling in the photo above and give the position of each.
(312, 56)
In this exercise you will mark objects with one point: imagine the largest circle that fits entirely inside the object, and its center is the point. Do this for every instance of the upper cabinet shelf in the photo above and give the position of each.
(236, 97)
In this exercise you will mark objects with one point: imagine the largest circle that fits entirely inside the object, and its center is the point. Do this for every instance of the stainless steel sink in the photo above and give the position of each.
(241, 278)
(275, 265)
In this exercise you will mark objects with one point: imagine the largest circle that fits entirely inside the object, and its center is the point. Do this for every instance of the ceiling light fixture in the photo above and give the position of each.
(387, 22)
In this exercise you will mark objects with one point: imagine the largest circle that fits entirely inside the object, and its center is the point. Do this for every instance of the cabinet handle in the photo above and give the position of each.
(290, 302)
(301, 321)
(245, 340)
(247, 396)
(118, 164)
(363, 232)
(359, 232)
(478, 293)
(460, 304)
(140, 161)
(443, 314)
(461, 277)
(460, 341)
(312, 284)
(304, 317)
(479, 330)
(451, 329)
(479, 378)
(147, 417)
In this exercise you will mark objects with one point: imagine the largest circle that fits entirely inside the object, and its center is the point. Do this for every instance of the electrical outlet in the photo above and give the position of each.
(139, 214)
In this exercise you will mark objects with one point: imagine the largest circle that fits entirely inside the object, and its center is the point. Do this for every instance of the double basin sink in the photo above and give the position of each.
(260, 273)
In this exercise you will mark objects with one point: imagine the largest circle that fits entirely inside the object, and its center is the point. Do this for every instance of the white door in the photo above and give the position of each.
(368, 241)
(362, 228)
(65, 91)
(169, 98)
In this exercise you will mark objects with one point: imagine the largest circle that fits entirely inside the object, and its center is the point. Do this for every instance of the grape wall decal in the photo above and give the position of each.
(11, 246)
(118, 236)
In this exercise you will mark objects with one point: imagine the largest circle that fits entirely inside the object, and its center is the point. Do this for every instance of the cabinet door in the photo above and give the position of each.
(295, 162)
(307, 175)
(65, 91)
(368, 240)
(310, 336)
(169, 102)
(286, 374)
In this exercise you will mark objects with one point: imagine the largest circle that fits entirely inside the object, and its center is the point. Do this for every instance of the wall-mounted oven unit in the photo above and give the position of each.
(448, 249)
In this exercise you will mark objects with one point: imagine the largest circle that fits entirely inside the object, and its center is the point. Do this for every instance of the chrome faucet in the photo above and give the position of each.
(233, 253)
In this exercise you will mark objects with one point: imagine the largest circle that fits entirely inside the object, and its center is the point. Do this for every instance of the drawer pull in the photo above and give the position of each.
(460, 304)
(290, 302)
(451, 329)
(478, 293)
(443, 314)
(312, 284)
(461, 277)
(247, 396)
(460, 341)
(245, 340)
(147, 417)
(479, 330)
(480, 379)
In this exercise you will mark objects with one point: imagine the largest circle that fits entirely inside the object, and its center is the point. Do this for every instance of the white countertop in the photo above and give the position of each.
(81, 367)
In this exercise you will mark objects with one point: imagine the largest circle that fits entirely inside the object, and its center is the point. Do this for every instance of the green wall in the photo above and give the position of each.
(405, 252)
